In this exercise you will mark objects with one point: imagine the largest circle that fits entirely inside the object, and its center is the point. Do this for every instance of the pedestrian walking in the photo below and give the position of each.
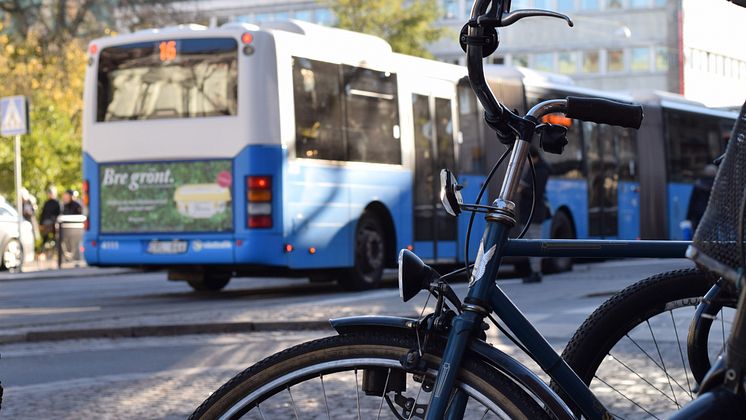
(48, 217)
(69, 204)
(542, 211)
(700, 195)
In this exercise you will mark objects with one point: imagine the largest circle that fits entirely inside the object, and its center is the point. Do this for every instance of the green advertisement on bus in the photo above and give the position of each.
(190, 196)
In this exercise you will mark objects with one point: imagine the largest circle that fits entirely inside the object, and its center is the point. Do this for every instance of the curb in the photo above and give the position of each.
(164, 330)
(66, 273)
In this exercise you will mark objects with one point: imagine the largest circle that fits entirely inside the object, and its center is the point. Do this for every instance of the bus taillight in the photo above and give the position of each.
(259, 202)
(86, 199)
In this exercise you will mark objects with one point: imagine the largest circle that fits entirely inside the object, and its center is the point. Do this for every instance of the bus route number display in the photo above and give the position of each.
(167, 50)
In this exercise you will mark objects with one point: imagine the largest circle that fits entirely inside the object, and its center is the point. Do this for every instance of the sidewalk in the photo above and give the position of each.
(42, 271)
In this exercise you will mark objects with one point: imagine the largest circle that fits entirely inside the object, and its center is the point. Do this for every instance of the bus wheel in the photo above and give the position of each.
(561, 229)
(370, 255)
(209, 282)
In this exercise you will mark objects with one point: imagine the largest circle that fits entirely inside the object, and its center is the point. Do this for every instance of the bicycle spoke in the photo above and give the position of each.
(260, 412)
(681, 353)
(485, 414)
(639, 376)
(385, 387)
(292, 401)
(668, 377)
(722, 324)
(627, 398)
(414, 406)
(326, 402)
(654, 361)
(357, 396)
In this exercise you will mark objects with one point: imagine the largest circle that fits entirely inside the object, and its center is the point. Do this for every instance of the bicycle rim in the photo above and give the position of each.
(327, 379)
(646, 374)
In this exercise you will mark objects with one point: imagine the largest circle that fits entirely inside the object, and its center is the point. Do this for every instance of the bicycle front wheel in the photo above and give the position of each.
(633, 350)
(359, 375)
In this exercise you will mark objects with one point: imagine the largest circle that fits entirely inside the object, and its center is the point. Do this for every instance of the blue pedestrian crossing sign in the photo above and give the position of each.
(13, 116)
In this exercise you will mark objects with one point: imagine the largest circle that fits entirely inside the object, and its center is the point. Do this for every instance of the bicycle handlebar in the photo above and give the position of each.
(604, 111)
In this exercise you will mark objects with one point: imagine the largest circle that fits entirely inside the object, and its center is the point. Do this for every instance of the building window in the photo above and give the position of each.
(589, 4)
(591, 62)
(543, 62)
(661, 59)
(515, 5)
(450, 9)
(639, 4)
(614, 4)
(567, 62)
(263, 17)
(324, 17)
(542, 4)
(497, 59)
(565, 5)
(640, 59)
(615, 60)
(660, 3)
(305, 15)
(520, 60)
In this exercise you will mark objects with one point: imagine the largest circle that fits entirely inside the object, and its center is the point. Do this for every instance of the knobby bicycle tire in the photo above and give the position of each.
(306, 365)
(631, 308)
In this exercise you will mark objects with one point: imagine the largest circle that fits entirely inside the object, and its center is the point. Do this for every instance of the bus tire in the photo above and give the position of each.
(562, 228)
(209, 282)
(370, 255)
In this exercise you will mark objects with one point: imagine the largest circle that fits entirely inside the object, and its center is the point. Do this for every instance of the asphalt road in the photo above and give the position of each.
(166, 377)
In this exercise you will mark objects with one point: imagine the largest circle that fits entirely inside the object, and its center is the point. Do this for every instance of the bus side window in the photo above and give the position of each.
(692, 141)
(318, 110)
(372, 116)
(470, 148)
(626, 151)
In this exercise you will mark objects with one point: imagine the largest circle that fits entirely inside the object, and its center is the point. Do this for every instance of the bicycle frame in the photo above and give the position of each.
(485, 296)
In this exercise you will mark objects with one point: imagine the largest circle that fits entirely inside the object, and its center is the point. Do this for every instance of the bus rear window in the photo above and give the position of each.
(181, 78)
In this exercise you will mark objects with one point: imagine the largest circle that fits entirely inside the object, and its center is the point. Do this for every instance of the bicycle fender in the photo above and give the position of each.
(489, 354)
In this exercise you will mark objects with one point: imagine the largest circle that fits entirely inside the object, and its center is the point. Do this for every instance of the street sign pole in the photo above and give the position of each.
(14, 118)
(19, 183)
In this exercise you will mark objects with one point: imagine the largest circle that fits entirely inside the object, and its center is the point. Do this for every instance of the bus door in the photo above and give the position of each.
(434, 230)
(613, 189)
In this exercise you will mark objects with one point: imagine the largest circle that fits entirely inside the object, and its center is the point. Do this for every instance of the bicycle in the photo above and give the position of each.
(443, 353)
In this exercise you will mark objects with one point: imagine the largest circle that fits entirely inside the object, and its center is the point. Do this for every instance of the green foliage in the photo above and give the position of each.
(51, 154)
(409, 26)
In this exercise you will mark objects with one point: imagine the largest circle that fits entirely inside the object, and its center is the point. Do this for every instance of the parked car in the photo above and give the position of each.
(14, 253)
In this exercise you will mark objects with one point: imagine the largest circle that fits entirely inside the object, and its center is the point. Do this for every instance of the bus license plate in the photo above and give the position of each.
(167, 247)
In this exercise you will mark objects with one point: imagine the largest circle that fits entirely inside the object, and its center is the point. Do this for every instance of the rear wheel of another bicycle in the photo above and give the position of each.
(636, 351)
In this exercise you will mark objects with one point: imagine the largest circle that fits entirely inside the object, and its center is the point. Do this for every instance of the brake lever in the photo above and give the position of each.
(507, 19)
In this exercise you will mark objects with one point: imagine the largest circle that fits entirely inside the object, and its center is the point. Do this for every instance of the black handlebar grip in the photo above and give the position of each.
(604, 111)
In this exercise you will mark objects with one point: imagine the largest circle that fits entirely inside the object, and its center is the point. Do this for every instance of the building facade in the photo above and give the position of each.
(683, 46)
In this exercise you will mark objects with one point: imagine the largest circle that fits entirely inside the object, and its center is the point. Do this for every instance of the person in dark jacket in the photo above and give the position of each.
(542, 211)
(49, 212)
(701, 195)
(69, 204)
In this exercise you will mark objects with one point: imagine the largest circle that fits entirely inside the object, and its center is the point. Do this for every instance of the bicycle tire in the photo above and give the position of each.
(312, 360)
(634, 306)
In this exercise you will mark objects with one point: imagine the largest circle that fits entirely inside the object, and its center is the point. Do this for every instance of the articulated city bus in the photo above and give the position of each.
(296, 149)
(618, 183)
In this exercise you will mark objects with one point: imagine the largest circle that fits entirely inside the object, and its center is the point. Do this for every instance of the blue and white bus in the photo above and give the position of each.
(283, 149)
(296, 149)
(617, 183)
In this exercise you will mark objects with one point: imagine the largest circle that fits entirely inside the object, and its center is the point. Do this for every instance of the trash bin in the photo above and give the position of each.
(70, 229)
